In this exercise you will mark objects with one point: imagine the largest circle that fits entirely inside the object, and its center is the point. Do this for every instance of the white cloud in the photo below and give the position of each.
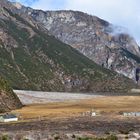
(119, 12)
(24, 2)
(42, 4)
(49, 4)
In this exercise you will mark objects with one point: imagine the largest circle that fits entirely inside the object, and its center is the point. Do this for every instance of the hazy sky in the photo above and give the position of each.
(119, 12)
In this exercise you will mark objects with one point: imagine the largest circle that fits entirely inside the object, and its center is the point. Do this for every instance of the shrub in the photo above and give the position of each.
(5, 137)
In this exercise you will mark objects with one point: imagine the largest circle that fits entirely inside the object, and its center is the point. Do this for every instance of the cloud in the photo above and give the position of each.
(43, 4)
(49, 4)
(119, 12)
(25, 2)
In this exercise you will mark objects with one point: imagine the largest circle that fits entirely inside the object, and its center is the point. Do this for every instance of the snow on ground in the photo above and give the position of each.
(34, 97)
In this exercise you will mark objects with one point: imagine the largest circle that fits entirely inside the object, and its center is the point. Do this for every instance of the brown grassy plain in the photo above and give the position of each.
(110, 104)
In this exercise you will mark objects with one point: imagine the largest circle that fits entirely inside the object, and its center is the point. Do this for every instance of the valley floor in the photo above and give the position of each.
(71, 116)
(67, 127)
(38, 97)
(108, 105)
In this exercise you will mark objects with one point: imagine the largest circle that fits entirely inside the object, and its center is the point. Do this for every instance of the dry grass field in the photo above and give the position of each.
(110, 104)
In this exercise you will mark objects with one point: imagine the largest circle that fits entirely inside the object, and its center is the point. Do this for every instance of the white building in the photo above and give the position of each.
(93, 114)
(131, 114)
(8, 118)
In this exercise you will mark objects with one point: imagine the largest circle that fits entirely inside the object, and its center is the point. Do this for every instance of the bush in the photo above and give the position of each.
(5, 137)
(112, 137)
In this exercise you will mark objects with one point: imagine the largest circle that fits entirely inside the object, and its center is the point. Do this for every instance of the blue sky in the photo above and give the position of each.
(124, 13)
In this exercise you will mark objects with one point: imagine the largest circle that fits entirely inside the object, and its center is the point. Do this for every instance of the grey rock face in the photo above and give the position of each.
(31, 58)
(97, 39)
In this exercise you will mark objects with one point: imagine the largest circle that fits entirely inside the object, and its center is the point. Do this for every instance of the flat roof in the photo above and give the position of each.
(8, 116)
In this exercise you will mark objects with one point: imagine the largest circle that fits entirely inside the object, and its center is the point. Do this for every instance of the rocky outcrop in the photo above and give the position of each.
(106, 44)
(8, 99)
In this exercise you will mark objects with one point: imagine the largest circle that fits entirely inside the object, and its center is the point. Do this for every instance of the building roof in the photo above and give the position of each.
(8, 116)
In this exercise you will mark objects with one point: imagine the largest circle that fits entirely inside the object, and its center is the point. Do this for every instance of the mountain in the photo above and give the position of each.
(32, 58)
(107, 45)
(8, 99)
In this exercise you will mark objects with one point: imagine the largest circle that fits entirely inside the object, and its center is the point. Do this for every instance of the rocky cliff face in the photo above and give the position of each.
(31, 58)
(8, 99)
(102, 42)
